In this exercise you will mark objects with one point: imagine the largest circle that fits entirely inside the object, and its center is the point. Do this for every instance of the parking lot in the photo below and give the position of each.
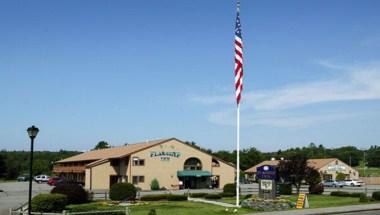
(16, 193)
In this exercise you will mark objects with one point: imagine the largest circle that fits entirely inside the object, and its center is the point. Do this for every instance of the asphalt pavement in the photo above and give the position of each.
(16, 193)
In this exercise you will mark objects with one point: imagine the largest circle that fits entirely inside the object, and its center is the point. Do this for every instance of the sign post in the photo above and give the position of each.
(267, 176)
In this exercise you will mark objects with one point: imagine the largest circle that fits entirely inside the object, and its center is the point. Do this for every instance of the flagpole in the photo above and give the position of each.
(238, 156)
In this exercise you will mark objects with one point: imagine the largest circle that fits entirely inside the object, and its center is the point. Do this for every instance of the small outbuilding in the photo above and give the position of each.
(327, 167)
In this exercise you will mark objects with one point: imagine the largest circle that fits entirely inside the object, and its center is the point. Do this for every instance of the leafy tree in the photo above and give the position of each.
(373, 156)
(3, 167)
(250, 157)
(313, 177)
(101, 145)
(340, 176)
(294, 170)
(40, 167)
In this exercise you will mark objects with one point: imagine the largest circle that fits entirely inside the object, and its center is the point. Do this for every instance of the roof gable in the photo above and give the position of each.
(114, 152)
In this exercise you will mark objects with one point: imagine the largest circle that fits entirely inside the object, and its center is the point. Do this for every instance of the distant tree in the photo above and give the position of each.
(101, 145)
(3, 167)
(373, 156)
(294, 170)
(40, 167)
(250, 157)
(340, 176)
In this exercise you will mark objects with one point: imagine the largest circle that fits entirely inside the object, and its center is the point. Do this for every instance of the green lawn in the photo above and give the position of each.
(191, 208)
(369, 171)
(163, 208)
(324, 201)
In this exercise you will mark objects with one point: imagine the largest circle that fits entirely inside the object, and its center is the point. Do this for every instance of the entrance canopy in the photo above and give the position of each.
(193, 173)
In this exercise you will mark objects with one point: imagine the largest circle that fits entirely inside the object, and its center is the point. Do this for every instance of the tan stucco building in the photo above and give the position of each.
(327, 167)
(175, 164)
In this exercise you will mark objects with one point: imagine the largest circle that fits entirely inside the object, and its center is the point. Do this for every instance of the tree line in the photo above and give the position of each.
(16, 163)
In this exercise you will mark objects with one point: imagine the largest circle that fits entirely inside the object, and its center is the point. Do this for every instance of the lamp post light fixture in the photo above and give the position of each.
(32, 132)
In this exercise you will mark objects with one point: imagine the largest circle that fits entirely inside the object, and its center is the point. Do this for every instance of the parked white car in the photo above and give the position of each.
(41, 178)
(353, 183)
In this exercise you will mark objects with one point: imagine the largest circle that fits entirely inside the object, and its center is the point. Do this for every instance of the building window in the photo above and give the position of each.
(138, 179)
(192, 164)
(138, 162)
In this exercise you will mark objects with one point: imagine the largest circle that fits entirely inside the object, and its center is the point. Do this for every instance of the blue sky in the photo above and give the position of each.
(129, 71)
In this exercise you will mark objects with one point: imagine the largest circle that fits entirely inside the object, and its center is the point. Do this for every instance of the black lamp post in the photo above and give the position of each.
(32, 132)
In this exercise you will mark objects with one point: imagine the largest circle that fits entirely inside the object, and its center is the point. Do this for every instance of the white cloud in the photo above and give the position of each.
(358, 83)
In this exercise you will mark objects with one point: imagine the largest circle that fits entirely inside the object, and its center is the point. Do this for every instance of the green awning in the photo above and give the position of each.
(193, 173)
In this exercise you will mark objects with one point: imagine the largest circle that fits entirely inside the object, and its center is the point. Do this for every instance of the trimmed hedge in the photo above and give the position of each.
(346, 194)
(227, 194)
(213, 196)
(49, 202)
(198, 195)
(123, 191)
(364, 198)
(160, 197)
(229, 188)
(376, 195)
(358, 195)
(154, 197)
(177, 198)
(74, 192)
(340, 193)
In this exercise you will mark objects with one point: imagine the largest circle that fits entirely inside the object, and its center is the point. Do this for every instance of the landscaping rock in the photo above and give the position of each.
(267, 205)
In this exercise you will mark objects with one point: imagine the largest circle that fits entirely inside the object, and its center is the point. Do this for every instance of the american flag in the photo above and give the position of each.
(238, 57)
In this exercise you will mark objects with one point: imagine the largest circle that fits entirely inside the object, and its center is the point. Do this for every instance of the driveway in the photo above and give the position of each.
(16, 193)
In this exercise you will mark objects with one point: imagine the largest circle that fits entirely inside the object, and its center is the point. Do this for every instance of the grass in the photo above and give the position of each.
(324, 201)
(191, 208)
(162, 208)
(369, 171)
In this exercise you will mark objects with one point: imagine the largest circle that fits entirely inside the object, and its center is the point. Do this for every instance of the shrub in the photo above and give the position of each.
(154, 197)
(357, 195)
(340, 193)
(49, 202)
(229, 188)
(123, 191)
(227, 194)
(198, 195)
(177, 198)
(74, 192)
(376, 195)
(154, 185)
(363, 197)
(316, 189)
(213, 196)
(152, 212)
(285, 189)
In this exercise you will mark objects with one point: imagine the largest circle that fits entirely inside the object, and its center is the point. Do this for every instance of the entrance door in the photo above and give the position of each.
(113, 179)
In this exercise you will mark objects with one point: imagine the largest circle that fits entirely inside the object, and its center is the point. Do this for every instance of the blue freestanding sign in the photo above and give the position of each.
(267, 177)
